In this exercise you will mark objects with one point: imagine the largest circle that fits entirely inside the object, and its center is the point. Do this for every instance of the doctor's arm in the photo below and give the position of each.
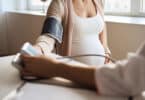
(124, 78)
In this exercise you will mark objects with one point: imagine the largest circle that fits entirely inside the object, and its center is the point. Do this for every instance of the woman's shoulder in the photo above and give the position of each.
(56, 8)
(57, 4)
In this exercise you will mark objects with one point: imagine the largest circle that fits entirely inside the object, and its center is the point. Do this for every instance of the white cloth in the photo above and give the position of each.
(86, 39)
(125, 78)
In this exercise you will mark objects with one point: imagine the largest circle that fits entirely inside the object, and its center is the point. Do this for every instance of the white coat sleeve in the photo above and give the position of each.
(124, 78)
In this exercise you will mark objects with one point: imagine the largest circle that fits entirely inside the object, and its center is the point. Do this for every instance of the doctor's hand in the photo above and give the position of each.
(39, 66)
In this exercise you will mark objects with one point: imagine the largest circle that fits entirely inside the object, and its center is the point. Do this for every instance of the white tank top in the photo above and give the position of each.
(86, 39)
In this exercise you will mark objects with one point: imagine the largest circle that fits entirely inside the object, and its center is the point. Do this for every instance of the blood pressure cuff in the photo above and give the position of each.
(53, 28)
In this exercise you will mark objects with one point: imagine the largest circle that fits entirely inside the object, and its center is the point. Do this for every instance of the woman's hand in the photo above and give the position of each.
(107, 59)
(39, 66)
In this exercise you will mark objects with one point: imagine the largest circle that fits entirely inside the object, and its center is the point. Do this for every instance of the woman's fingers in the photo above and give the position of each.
(26, 57)
(107, 59)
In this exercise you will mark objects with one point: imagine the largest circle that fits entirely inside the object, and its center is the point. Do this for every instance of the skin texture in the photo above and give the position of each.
(84, 8)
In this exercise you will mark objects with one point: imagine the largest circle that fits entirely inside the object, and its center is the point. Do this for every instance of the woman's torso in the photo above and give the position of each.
(86, 40)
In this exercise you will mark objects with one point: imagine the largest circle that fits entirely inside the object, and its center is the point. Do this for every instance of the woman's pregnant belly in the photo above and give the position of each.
(88, 44)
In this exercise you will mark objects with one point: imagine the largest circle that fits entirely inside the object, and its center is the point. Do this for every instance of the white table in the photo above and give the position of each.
(9, 76)
(9, 81)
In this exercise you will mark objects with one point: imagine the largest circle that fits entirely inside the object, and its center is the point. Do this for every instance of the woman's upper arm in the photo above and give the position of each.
(52, 26)
(56, 9)
(52, 30)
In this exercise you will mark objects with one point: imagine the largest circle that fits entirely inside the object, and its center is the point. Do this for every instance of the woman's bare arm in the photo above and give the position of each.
(46, 41)
(103, 37)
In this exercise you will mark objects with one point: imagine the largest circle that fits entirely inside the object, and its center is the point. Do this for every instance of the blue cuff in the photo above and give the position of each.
(53, 28)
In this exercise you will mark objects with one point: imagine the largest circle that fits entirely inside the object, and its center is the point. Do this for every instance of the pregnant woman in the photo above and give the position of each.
(76, 27)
